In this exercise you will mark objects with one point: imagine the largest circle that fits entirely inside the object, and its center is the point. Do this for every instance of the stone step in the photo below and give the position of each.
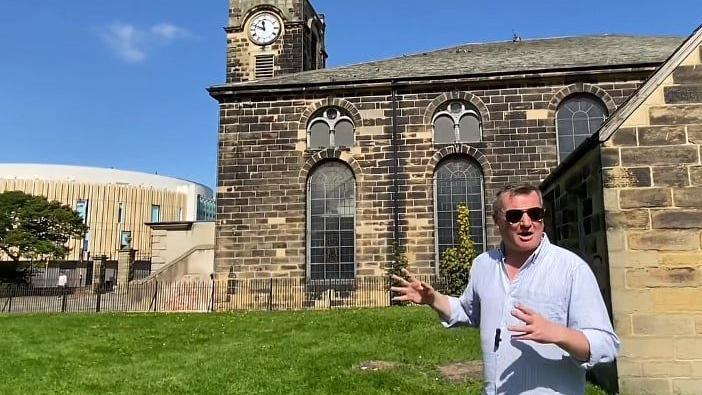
(684, 94)
(688, 75)
(676, 114)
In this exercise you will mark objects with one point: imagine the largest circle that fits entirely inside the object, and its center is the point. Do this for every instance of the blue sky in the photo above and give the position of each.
(122, 83)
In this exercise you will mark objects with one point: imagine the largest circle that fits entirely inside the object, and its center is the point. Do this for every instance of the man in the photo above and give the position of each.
(541, 316)
(62, 280)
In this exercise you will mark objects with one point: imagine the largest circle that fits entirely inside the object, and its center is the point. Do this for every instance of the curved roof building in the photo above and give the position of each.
(116, 204)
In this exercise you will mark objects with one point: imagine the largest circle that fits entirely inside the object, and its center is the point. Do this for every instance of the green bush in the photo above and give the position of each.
(456, 261)
(398, 262)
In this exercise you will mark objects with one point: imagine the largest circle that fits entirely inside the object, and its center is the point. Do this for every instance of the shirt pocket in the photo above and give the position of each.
(547, 306)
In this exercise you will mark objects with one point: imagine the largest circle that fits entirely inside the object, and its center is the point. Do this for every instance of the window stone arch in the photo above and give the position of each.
(458, 178)
(331, 221)
(344, 105)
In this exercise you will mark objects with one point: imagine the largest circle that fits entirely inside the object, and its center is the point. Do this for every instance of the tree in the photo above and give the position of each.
(33, 228)
(456, 261)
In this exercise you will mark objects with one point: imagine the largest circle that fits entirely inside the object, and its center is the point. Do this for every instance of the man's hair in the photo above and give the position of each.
(512, 190)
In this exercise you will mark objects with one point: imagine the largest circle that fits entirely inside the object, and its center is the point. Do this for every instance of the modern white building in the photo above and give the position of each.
(116, 204)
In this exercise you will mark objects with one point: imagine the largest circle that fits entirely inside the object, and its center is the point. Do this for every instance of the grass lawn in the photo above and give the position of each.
(282, 352)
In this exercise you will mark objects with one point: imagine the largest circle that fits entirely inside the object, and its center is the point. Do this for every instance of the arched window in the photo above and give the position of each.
(457, 122)
(577, 118)
(458, 180)
(331, 202)
(329, 128)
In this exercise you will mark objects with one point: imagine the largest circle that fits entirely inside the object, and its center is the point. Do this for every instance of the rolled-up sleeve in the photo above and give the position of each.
(465, 310)
(588, 314)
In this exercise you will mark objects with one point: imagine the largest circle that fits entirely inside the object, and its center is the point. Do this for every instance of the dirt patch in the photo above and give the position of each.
(373, 366)
(462, 371)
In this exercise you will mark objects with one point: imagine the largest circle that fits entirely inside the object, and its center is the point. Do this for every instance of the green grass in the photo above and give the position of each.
(282, 352)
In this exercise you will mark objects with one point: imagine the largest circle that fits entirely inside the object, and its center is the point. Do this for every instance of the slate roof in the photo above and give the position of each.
(498, 57)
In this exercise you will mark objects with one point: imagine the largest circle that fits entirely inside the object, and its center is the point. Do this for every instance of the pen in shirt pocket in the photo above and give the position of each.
(498, 338)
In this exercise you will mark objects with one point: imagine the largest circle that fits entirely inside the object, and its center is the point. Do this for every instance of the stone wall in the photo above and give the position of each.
(652, 178)
(264, 163)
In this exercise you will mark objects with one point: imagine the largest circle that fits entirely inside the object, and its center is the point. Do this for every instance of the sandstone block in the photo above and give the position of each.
(663, 277)
(634, 259)
(645, 386)
(667, 369)
(666, 155)
(688, 348)
(688, 197)
(676, 115)
(610, 157)
(683, 94)
(625, 137)
(647, 347)
(670, 176)
(687, 386)
(662, 135)
(630, 219)
(626, 177)
(677, 300)
(663, 324)
(676, 219)
(687, 75)
(625, 301)
(681, 259)
(696, 175)
(645, 197)
(627, 367)
(670, 240)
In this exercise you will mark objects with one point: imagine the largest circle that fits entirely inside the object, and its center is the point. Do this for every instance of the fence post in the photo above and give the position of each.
(270, 295)
(9, 303)
(212, 294)
(154, 299)
(97, 300)
(329, 290)
(63, 299)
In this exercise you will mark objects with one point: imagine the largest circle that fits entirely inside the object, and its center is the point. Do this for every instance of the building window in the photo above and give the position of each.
(125, 239)
(120, 213)
(330, 128)
(457, 122)
(458, 180)
(206, 208)
(331, 203)
(82, 209)
(577, 118)
(155, 213)
(85, 248)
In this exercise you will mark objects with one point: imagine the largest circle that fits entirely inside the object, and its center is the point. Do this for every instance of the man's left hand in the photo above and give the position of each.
(536, 328)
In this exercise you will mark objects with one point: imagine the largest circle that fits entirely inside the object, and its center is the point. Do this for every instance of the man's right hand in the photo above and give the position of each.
(413, 290)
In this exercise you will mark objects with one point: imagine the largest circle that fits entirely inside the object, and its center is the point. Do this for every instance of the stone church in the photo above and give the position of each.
(321, 170)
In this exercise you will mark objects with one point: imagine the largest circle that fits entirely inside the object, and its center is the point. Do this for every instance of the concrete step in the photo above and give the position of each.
(688, 75)
(684, 94)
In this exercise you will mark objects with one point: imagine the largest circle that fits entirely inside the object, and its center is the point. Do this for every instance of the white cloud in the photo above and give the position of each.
(132, 44)
(169, 31)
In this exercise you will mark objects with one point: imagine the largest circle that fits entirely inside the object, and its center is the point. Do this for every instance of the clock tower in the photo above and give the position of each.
(267, 38)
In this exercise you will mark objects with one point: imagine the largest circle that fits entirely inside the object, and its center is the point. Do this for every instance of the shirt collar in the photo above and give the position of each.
(543, 246)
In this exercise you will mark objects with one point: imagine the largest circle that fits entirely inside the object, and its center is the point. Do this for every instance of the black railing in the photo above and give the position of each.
(227, 295)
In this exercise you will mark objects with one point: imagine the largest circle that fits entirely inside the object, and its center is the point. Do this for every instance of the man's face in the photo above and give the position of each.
(524, 235)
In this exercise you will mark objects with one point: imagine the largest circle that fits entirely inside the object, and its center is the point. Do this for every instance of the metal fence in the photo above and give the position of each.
(79, 274)
(228, 295)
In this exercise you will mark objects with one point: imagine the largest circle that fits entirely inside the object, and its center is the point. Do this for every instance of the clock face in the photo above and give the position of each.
(264, 28)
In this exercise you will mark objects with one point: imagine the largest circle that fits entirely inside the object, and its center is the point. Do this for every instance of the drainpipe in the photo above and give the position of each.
(395, 167)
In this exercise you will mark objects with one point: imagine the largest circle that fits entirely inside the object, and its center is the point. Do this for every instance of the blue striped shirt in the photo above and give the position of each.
(560, 287)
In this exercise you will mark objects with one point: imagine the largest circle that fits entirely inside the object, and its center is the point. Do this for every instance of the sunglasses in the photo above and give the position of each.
(514, 216)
